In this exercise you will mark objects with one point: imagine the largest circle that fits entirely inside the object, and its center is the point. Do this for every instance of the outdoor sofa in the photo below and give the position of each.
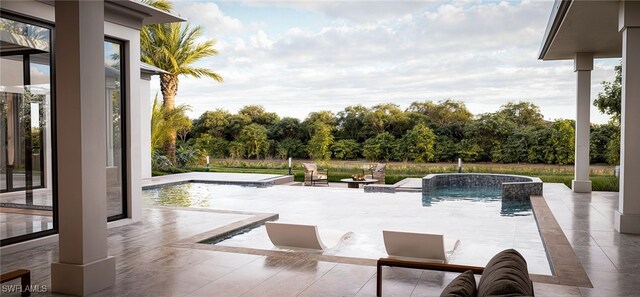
(506, 274)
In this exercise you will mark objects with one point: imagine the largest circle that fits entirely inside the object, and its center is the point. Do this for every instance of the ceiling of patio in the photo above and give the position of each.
(588, 26)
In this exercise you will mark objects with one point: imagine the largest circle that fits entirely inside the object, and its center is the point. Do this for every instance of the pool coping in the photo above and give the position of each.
(565, 266)
(201, 177)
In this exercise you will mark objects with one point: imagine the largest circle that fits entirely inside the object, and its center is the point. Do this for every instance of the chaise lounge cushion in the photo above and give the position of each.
(506, 274)
(462, 286)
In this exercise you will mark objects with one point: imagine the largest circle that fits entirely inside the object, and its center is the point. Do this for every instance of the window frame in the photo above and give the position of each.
(52, 109)
(123, 126)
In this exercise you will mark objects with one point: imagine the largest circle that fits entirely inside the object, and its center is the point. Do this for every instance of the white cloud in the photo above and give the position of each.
(261, 40)
(482, 54)
(355, 10)
(209, 16)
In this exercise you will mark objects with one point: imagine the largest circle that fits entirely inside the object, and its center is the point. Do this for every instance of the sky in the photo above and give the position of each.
(296, 57)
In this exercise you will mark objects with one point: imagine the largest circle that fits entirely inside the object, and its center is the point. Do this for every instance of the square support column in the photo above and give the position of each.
(83, 265)
(583, 63)
(627, 218)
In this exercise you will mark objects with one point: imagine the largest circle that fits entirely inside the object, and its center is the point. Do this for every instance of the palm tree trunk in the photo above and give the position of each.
(169, 88)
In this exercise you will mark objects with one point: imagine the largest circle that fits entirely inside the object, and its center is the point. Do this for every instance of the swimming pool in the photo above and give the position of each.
(488, 194)
(478, 222)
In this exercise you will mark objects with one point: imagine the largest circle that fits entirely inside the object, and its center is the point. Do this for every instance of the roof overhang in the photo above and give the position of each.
(135, 9)
(150, 14)
(582, 26)
(150, 69)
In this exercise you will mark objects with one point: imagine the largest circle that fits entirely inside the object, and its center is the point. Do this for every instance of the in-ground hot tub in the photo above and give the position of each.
(514, 187)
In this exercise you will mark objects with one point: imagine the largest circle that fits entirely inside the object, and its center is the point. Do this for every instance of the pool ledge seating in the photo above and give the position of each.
(302, 237)
(418, 246)
(506, 274)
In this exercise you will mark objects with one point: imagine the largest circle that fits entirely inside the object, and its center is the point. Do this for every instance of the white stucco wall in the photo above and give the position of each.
(145, 125)
(133, 98)
(131, 36)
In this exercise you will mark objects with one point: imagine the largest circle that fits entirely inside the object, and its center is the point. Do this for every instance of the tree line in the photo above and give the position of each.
(426, 131)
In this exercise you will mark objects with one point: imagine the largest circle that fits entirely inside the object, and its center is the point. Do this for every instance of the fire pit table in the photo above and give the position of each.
(355, 184)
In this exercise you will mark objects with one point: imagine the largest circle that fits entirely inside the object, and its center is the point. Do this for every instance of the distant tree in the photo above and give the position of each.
(383, 147)
(257, 114)
(285, 128)
(613, 148)
(319, 147)
(346, 149)
(418, 144)
(562, 142)
(490, 131)
(516, 147)
(522, 114)
(446, 149)
(610, 100)
(387, 118)
(236, 149)
(598, 141)
(351, 123)
(215, 147)
(254, 138)
(237, 122)
(444, 112)
(323, 116)
(469, 151)
(290, 147)
(539, 147)
(212, 122)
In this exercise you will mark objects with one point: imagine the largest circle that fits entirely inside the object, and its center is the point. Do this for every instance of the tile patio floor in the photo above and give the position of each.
(150, 264)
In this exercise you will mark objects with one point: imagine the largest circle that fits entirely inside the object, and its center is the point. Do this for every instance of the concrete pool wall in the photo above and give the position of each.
(514, 187)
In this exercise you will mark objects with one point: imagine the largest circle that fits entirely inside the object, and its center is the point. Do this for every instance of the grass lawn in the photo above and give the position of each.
(602, 176)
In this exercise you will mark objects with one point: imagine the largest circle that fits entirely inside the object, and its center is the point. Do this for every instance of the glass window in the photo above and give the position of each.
(114, 95)
(26, 188)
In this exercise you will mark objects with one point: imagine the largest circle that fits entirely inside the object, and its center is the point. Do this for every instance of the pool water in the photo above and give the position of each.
(481, 222)
(479, 195)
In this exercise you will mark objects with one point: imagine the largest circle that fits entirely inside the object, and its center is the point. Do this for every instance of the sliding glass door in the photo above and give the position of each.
(26, 130)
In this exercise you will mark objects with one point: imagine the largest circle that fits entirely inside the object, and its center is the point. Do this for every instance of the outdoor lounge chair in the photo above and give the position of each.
(297, 236)
(378, 172)
(313, 176)
(506, 274)
(418, 246)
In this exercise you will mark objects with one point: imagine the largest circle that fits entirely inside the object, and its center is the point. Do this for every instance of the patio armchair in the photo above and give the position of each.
(313, 176)
(378, 172)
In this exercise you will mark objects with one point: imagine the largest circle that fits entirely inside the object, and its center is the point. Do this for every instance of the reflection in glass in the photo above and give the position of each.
(114, 102)
(26, 187)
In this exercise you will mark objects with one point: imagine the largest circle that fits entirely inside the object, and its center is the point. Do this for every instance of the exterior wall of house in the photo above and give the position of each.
(145, 131)
(124, 28)
(133, 98)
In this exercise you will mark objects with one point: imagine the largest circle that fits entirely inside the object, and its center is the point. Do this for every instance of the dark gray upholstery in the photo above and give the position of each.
(506, 274)
(462, 286)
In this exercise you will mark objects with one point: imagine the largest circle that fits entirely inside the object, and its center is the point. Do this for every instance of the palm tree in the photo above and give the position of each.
(173, 48)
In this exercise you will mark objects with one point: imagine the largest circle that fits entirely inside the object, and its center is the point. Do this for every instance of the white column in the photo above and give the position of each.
(627, 218)
(83, 265)
(145, 124)
(583, 63)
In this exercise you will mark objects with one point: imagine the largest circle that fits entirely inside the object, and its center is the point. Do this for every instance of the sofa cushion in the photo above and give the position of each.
(506, 274)
(462, 286)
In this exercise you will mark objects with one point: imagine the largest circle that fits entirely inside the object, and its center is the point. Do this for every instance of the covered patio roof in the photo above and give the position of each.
(582, 26)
